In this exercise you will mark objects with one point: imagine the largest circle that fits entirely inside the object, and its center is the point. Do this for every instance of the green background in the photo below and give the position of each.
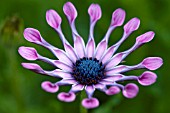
(20, 90)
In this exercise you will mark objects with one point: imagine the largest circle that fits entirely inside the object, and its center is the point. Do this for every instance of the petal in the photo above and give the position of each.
(90, 103)
(89, 90)
(113, 90)
(79, 46)
(33, 67)
(108, 54)
(28, 53)
(49, 87)
(77, 87)
(118, 17)
(101, 47)
(104, 82)
(113, 78)
(90, 48)
(53, 19)
(147, 78)
(130, 90)
(132, 25)
(60, 73)
(32, 35)
(116, 59)
(94, 12)
(61, 55)
(63, 66)
(99, 86)
(70, 11)
(66, 97)
(147, 37)
(152, 63)
(70, 51)
(115, 70)
(67, 82)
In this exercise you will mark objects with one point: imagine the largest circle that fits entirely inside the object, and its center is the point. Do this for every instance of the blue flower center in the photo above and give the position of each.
(88, 71)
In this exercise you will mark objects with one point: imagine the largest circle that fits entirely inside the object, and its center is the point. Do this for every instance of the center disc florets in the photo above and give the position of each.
(88, 71)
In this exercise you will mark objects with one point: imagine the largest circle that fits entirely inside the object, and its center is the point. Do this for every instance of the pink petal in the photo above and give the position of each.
(147, 78)
(90, 48)
(130, 90)
(101, 47)
(79, 46)
(34, 67)
(144, 38)
(66, 97)
(77, 87)
(118, 17)
(115, 70)
(49, 87)
(70, 11)
(132, 25)
(90, 103)
(63, 66)
(70, 51)
(108, 54)
(113, 78)
(32, 35)
(67, 82)
(89, 90)
(106, 82)
(113, 90)
(53, 19)
(94, 12)
(61, 73)
(61, 55)
(99, 86)
(116, 59)
(28, 53)
(152, 63)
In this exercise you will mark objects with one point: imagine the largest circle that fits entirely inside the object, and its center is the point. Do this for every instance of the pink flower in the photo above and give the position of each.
(87, 66)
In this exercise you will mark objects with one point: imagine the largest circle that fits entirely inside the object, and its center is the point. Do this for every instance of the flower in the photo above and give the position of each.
(90, 67)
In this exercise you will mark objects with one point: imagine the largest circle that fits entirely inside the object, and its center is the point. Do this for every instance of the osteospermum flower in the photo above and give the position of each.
(90, 67)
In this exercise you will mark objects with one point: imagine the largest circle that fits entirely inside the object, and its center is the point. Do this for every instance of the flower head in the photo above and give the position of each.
(90, 67)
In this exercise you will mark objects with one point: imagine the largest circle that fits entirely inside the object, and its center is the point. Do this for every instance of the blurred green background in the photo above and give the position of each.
(20, 90)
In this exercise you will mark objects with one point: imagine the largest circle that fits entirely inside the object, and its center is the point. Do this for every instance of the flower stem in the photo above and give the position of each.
(82, 96)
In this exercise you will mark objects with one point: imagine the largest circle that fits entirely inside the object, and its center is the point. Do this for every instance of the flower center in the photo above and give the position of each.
(88, 71)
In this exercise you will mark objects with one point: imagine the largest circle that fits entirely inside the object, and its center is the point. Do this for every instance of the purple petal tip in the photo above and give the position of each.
(147, 78)
(70, 11)
(112, 90)
(130, 90)
(49, 87)
(94, 12)
(32, 66)
(118, 17)
(132, 25)
(28, 53)
(152, 63)
(53, 18)
(147, 37)
(66, 97)
(32, 35)
(90, 103)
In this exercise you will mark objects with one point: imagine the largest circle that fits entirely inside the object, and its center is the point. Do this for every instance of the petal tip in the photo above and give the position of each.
(49, 87)
(53, 18)
(152, 63)
(95, 12)
(130, 90)
(32, 35)
(66, 97)
(147, 78)
(90, 103)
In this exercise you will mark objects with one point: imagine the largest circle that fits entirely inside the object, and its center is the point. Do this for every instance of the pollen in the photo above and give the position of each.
(88, 71)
